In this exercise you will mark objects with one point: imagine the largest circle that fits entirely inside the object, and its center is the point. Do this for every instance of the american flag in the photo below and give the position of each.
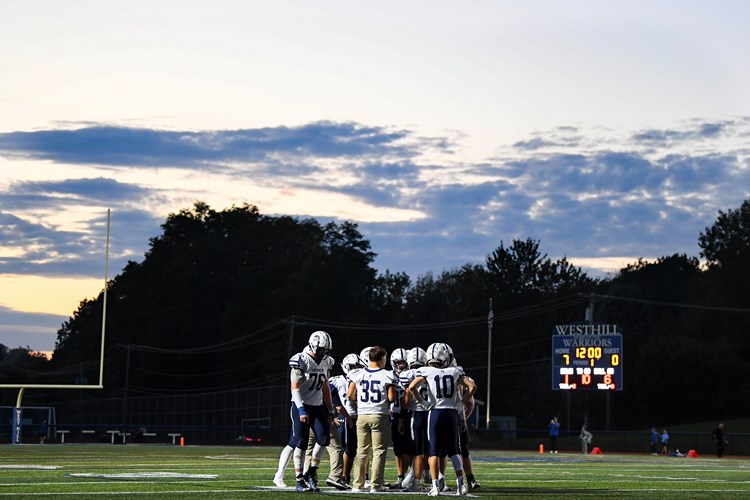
(490, 317)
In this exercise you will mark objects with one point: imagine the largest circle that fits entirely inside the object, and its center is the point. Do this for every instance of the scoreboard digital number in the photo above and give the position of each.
(587, 359)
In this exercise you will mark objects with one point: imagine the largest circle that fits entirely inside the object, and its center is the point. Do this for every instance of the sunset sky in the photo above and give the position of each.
(608, 131)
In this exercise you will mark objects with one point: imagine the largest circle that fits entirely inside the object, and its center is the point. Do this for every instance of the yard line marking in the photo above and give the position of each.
(30, 467)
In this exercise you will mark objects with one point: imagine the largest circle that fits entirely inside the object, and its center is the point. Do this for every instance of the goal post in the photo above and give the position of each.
(17, 415)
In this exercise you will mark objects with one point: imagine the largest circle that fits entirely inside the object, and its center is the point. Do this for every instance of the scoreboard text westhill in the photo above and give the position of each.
(587, 357)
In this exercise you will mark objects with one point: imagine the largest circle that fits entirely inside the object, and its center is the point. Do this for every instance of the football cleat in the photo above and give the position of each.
(461, 488)
(414, 486)
(312, 478)
(474, 484)
(443, 487)
(278, 480)
(302, 485)
(408, 480)
(434, 491)
(339, 484)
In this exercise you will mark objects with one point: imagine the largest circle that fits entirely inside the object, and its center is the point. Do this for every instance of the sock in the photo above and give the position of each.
(458, 464)
(318, 452)
(299, 461)
(470, 477)
(286, 454)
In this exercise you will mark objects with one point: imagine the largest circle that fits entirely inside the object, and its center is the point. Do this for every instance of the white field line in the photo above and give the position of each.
(253, 490)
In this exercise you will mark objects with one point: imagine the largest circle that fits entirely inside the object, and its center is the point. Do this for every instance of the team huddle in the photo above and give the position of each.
(419, 407)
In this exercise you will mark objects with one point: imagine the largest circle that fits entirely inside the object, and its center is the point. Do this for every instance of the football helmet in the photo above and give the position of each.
(453, 361)
(364, 356)
(398, 359)
(350, 362)
(416, 357)
(438, 355)
(320, 344)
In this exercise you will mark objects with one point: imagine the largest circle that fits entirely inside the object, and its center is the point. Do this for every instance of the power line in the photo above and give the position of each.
(672, 304)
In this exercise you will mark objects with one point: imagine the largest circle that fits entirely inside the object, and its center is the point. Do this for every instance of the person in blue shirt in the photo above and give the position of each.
(664, 442)
(654, 440)
(554, 431)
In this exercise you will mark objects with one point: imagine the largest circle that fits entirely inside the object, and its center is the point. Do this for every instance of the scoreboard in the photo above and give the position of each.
(587, 357)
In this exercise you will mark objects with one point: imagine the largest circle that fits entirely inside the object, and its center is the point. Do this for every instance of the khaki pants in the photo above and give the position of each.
(336, 453)
(373, 433)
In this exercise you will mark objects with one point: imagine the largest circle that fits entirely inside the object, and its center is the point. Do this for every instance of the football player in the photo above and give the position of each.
(463, 435)
(415, 358)
(444, 403)
(400, 421)
(312, 408)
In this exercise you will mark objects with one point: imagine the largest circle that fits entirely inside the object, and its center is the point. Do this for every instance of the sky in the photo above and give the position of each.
(607, 131)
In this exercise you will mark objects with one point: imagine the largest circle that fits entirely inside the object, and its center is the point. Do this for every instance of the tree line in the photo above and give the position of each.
(222, 298)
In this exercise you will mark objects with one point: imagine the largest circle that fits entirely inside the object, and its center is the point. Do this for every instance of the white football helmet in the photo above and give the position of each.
(364, 356)
(320, 344)
(398, 359)
(416, 357)
(350, 362)
(453, 361)
(438, 355)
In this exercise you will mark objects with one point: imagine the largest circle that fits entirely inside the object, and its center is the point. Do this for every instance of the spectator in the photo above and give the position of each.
(720, 439)
(654, 440)
(664, 442)
(43, 432)
(554, 431)
(586, 438)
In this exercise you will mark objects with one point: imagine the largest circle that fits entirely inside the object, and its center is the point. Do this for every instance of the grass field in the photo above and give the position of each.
(155, 471)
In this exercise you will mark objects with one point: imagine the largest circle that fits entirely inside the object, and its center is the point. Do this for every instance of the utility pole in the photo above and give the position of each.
(490, 318)
(290, 348)
(125, 389)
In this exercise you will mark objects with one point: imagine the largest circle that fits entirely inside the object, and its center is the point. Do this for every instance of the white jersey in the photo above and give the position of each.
(396, 405)
(341, 383)
(405, 378)
(443, 386)
(315, 375)
(372, 390)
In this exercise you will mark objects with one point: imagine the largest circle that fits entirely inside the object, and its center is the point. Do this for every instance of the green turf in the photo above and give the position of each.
(53, 471)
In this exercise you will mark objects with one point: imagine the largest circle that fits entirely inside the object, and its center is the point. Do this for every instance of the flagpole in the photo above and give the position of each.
(490, 317)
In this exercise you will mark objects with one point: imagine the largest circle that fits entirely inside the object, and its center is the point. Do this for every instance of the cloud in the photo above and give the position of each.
(139, 147)
(583, 193)
(37, 331)
(36, 247)
(696, 130)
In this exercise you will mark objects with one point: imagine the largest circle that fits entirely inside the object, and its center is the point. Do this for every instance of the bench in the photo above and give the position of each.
(62, 438)
(144, 437)
(174, 436)
(113, 434)
(87, 434)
